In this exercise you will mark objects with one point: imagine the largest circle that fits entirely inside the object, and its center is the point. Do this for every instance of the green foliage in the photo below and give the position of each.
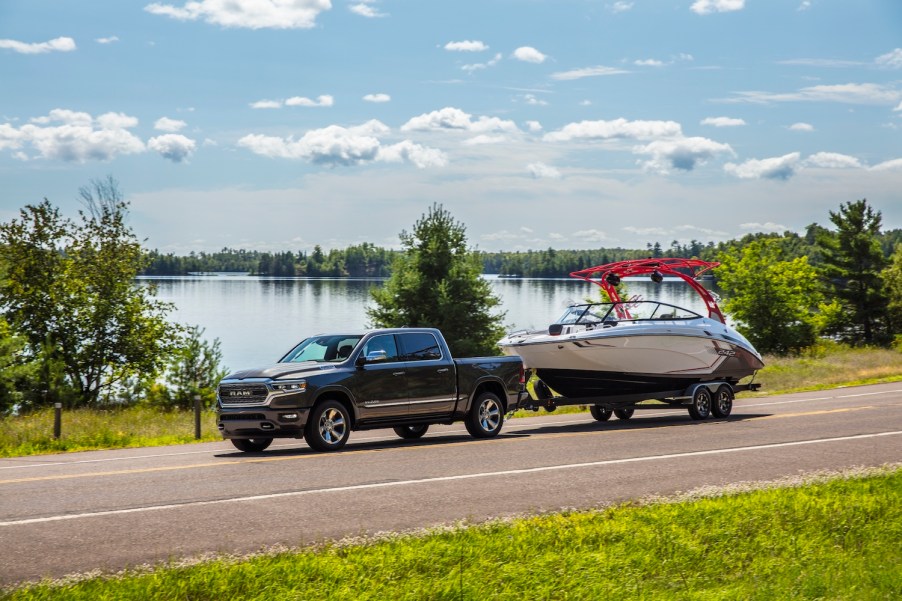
(835, 539)
(892, 280)
(436, 283)
(16, 370)
(852, 264)
(69, 291)
(193, 368)
(771, 297)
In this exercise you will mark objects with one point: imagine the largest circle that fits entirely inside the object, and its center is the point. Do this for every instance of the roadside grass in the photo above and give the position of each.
(829, 538)
(91, 429)
(827, 365)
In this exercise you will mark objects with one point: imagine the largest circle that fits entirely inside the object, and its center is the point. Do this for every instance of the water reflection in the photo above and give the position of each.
(259, 319)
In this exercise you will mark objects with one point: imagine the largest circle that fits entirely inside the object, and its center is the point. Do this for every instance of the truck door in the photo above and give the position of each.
(380, 386)
(431, 379)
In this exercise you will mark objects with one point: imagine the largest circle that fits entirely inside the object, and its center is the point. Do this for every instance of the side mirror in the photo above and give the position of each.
(371, 357)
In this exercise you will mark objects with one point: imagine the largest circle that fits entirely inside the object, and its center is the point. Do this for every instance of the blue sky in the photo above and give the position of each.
(281, 124)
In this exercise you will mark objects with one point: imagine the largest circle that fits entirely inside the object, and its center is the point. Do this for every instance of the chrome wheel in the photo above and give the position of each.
(485, 417)
(332, 426)
(329, 426)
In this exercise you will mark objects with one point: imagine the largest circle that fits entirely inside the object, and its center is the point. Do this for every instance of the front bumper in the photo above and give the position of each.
(261, 422)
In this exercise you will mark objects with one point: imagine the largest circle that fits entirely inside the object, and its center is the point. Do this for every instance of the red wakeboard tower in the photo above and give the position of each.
(608, 276)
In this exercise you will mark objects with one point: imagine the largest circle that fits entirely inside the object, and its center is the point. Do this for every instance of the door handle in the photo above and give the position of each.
(398, 373)
(443, 370)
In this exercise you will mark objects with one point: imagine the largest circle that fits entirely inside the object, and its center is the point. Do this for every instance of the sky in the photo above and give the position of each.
(283, 124)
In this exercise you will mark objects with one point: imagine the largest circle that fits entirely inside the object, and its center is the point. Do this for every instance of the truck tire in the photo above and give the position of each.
(251, 445)
(329, 426)
(600, 413)
(624, 413)
(486, 416)
(411, 432)
(723, 401)
(701, 403)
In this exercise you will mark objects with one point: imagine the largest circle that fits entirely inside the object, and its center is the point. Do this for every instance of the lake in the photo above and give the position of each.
(258, 319)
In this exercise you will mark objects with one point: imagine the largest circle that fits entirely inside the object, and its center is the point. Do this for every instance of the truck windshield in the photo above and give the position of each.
(322, 348)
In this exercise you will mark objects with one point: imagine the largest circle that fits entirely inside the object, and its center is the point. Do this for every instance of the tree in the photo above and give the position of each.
(436, 283)
(70, 292)
(193, 368)
(892, 278)
(772, 298)
(15, 369)
(852, 264)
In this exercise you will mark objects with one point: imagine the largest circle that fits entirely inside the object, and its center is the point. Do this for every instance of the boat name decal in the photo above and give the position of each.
(726, 352)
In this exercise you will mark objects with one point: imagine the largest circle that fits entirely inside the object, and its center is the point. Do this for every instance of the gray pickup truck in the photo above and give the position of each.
(330, 384)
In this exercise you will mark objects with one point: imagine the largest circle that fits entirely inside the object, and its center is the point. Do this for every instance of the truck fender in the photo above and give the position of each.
(336, 390)
(490, 383)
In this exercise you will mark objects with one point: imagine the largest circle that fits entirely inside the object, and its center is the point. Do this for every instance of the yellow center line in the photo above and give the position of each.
(512, 437)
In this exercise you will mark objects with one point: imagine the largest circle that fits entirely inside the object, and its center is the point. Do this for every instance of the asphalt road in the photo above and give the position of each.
(63, 514)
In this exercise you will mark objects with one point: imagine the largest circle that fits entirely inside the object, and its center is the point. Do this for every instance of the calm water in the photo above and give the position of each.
(258, 319)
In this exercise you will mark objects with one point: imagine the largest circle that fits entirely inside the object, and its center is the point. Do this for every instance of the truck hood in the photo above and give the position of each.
(283, 370)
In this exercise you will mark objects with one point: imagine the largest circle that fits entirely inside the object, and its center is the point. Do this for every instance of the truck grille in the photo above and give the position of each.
(241, 417)
(243, 394)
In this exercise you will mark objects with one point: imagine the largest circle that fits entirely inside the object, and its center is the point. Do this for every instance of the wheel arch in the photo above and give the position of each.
(492, 385)
(340, 395)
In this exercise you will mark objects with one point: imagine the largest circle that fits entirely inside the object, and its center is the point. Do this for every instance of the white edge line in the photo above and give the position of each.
(376, 485)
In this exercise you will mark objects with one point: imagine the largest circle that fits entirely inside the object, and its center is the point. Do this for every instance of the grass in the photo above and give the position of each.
(827, 365)
(90, 429)
(832, 539)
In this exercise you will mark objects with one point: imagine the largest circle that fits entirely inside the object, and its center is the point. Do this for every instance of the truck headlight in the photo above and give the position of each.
(296, 386)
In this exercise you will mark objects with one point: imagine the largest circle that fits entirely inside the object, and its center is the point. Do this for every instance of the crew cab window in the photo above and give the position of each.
(384, 342)
(420, 347)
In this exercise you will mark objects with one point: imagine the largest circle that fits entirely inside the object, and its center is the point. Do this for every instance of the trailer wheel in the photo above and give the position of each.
(701, 403)
(624, 413)
(723, 401)
(485, 417)
(251, 445)
(600, 413)
(411, 432)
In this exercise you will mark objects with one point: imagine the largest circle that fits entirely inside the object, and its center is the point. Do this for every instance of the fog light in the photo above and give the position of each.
(289, 417)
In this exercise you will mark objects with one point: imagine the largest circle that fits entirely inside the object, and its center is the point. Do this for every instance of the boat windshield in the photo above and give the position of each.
(595, 313)
(322, 348)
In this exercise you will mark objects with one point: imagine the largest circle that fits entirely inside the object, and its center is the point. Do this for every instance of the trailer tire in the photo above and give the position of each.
(624, 413)
(251, 445)
(411, 432)
(701, 403)
(486, 416)
(600, 413)
(723, 401)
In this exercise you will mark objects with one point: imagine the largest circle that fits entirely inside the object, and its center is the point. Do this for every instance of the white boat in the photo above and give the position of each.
(636, 347)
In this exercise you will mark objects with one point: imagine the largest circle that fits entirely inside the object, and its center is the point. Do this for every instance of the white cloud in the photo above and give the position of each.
(266, 104)
(174, 147)
(483, 139)
(892, 60)
(618, 128)
(170, 125)
(801, 127)
(893, 165)
(543, 171)
(532, 100)
(450, 118)
(336, 145)
(108, 40)
(722, 121)
(55, 45)
(466, 46)
(528, 54)
(851, 93)
(478, 66)
(74, 136)
(705, 7)
(781, 168)
(647, 231)
(321, 101)
(770, 226)
(592, 235)
(251, 14)
(620, 6)
(832, 160)
(682, 153)
(377, 98)
(650, 62)
(596, 71)
(365, 8)
(534, 126)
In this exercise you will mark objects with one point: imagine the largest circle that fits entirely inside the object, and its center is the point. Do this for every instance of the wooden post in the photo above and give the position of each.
(57, 420)
(197, 417)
